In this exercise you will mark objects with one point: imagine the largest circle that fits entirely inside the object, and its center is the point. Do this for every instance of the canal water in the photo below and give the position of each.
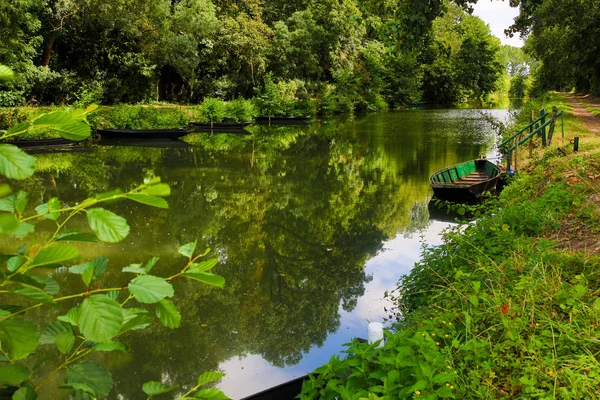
(311, 225)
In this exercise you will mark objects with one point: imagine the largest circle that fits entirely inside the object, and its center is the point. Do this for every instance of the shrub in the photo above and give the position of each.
(240, 110)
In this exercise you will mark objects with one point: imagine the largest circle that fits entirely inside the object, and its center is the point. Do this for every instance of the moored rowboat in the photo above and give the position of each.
(282, 120)
(41, 143)
(217, 126)
(143, 133)
(465, 181)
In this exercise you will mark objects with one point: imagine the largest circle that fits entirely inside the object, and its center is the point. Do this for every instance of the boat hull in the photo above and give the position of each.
(153, 143)
(42, 143)
(282, 120)
(465, 182)
(464, 194)
(143, 134)
(225, 127)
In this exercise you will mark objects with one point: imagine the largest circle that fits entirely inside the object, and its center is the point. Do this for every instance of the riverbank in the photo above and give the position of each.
(507, 307)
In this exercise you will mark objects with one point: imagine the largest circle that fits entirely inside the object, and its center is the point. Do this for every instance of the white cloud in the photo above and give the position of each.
(499, 15)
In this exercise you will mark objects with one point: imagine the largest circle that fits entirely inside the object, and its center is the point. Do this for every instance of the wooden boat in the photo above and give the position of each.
(220, 126)
(153, 143)
(465, 181)
(143, 133)
(287, 390)
(282, 120)
(41, 143)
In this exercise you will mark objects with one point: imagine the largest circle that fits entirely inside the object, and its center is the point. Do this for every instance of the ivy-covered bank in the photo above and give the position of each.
(507, 307)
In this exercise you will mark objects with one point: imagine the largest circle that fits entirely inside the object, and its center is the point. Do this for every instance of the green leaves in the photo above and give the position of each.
(65, 341)
(203, 266)
(49, 209)
(64, 123)
(111, 346)
(25, 393)
(168, 314)
(210, 279)
(208, 377)
(187, 250)
(134, 318)
(14, 374)
(154, 388)
(6, 74)
(91, 375)
(148, 200)
(211, 393)
(90, 271)
(100, 319)
(19, 128)
(19, 338)
(55, 254)
(15, 163)
(158, 189)
(76, 236)
(49, 334)
(108, 226)
(150, 289)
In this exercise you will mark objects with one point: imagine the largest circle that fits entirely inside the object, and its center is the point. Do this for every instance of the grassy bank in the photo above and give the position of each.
(165, 116)
(507, 307)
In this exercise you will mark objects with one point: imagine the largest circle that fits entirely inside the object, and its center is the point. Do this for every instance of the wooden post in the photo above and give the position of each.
(576, 144)
(543, 115)
(517, 153)
(530, 132)
(562, 123)
(552, 123)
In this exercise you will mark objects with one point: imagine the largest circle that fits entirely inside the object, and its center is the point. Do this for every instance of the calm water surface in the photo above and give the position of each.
(310, 224)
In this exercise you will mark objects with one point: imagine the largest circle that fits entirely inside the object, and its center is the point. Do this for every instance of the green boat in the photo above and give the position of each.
(465, 181)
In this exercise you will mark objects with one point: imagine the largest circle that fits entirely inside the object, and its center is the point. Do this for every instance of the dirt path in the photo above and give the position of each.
(591, 122)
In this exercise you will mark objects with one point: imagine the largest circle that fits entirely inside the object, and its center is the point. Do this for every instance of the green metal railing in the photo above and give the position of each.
(536, 128)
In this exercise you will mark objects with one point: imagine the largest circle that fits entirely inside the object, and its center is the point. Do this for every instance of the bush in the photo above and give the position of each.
(139, 117)
(240, 110)
(11, 99)
(212, 110)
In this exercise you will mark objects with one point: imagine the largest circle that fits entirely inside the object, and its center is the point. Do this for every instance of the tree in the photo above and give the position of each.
(478, 61)
(564, 36)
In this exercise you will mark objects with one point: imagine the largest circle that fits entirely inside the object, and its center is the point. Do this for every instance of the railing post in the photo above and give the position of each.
(552, 123)
(518, 138)
(543, 116)
(562, 122)
(530, 132)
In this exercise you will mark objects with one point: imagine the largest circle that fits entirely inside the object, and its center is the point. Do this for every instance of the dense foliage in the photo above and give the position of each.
(564, 38)
(347, 55)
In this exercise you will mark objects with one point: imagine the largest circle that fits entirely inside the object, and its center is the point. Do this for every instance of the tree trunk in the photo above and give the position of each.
(48, 46)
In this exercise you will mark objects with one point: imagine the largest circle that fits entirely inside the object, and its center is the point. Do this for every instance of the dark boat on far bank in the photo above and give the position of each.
(152, 143)
(56, 145)
(143, 133)
(282, 120)
(465, 181)
(38, 143)
(235, 127)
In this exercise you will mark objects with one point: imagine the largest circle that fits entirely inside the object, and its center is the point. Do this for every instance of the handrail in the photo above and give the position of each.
(539, 130)
(523, 130)
(535, 132)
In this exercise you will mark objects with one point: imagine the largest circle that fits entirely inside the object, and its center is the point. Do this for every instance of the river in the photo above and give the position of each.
(311, 225)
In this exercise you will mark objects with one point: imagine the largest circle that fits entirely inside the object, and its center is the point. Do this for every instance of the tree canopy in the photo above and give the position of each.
(349, 54)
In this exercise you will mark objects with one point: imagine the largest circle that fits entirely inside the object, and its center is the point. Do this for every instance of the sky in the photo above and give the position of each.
(499, 16)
